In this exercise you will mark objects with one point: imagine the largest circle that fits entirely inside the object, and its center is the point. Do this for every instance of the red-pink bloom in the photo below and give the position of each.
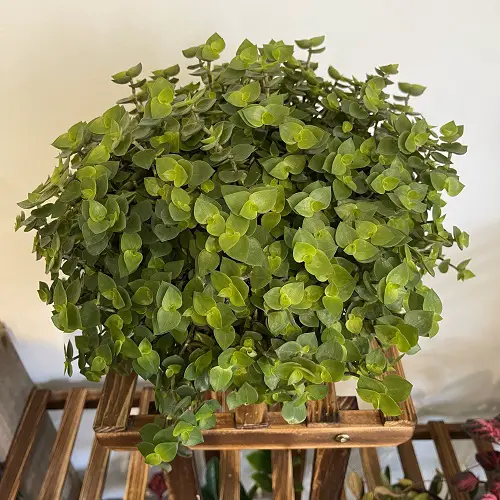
(489, 460)
(495, 488)
(157, 484)
(484, 429)
(489, 496)
(465, 481)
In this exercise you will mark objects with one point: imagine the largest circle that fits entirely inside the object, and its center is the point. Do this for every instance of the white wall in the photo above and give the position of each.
(56, 58)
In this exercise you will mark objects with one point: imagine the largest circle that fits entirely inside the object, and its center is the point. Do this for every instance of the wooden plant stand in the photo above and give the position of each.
(328, 475)
(333, 426)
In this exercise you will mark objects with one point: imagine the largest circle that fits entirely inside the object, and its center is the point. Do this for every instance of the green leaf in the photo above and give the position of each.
(144, 158)
(388, 146)
(397, 387)
(421, 320)
(432, 302)
(332, 371)
(130, 241)
(411, 89)
(241, 152)
(99, 154)
(166, 451)
(333, 305)
(247, 395)
(204, 209)
(388, 406)
(129, 349)
(362, 250)
(331, 350)
(253, 115)
(153, 459)
(60, 298)
(220, 378)
(399, 275)
(290, 131)
(288, 351)
(132, 260)
(294, 414)
(97, 211)
(225, 336)
(143, 296)
(172, 298)
(148, 432)
(167, 320)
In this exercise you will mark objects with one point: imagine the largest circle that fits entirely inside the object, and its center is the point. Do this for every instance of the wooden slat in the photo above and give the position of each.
(15, 389)
(282, 475)
(371, 467)
(454, 430)
(209, 454)
(137, 477)
(410, 464)
(60, 455)
(299, 465)
(115, 403)
(299, 436)
(447, 457)
(249, 416)
(330, 466)
(95, 475)
(229, 474)
(22, 444)
(182, 483)
(325, 410)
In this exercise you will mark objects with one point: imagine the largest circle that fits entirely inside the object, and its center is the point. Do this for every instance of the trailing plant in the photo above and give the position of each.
(263, 231)
(404, 488)
(468, 482)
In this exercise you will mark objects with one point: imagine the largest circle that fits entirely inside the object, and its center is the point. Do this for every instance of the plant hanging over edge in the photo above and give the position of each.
(264, 231)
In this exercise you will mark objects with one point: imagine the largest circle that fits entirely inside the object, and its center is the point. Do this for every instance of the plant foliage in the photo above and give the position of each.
(404, 489)
(263, 231)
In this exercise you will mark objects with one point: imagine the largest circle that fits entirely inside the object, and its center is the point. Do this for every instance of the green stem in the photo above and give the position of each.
(136, 100)
(449, 263)
(210, 76)
(309, 55)
(188, 341)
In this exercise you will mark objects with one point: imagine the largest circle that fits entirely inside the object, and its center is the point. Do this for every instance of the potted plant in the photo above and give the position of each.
(263, 231)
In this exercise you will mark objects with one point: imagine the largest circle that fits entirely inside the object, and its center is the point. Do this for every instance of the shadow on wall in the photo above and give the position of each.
(475, 395)
(457, 373)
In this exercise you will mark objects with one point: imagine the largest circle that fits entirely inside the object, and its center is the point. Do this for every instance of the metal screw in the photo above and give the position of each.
(342, 438)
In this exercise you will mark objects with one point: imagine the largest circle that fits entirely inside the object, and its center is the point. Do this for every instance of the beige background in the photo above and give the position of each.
(56, 58)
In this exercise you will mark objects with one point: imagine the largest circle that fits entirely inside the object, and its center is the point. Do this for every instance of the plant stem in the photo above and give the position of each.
(210, 76)
(449, 263)
(187, 342)
(136, 100)
(309, 55)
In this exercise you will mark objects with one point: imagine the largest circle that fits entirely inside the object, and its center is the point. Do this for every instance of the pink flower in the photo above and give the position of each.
(489, 460)
(157, 484)
(495, 488)
(465, 481)
(489, 496)
(484, 429)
